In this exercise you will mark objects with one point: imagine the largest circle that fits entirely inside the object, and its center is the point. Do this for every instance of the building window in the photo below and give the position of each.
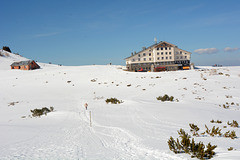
(185, 57)
(177, 57)
(180, 52)
(144, 59)
(149, 54)
(166, 53)
(170, 57)
(158, 58)
(169, 48)
(165, 48)
(162, 48)
(166, 57)
(161, 53)
(185, 53)
(144, 54)
(157, 48)
(138, 59)
(162, 57)
(139, 55)
(170, 53)
(157, 53)
(181, 57)
(133, 60)
(150, 59)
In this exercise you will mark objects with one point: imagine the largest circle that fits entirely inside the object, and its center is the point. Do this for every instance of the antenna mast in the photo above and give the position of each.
(155, 40)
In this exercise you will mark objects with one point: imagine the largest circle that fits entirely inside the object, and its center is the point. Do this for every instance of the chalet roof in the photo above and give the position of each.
(151, 47)
(22, 63)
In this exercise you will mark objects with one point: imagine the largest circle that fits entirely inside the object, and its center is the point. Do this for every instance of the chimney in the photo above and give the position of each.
(132, 54)
(135, 52)
(143, 48)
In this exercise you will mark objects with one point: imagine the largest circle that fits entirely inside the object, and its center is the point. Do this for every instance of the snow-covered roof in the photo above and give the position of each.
(22, 63)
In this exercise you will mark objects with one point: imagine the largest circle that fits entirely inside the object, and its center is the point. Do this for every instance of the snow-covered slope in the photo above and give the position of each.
(136, 129)
(7, 58)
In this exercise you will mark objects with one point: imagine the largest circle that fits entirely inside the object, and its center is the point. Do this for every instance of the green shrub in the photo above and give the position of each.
(194, 129)
(233, 124)
(189, 146)
(174, 146)
(231, 134)
(209, 153)
(214, 131)
(165, 98)
(185, 142)
(230, 148)
(113, 101)
(217, 121)
(40, 112)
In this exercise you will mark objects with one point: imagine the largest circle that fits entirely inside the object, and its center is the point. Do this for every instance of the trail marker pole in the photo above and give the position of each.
(90, 118)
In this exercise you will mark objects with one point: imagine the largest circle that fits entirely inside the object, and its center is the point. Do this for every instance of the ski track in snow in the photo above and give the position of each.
(119, 143)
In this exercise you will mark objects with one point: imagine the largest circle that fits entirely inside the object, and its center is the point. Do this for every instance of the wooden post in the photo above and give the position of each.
(90, 118)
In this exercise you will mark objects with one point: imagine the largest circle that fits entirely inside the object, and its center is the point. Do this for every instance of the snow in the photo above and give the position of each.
(138, 128)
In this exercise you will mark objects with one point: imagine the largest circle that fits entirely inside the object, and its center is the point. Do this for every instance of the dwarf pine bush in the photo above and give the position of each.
(233, 124)
(40, 112)
(174, 146)
(194, 129)
(230, 134)
(165, 98)
(113, 101)
(214, 131)
(189, 146)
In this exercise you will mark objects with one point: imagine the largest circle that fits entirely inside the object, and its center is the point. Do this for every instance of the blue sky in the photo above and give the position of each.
(76, 32)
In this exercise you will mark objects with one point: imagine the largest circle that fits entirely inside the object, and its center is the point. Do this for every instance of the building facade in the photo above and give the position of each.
(162, 56)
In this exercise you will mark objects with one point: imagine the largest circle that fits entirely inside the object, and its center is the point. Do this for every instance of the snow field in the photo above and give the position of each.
(136, 129)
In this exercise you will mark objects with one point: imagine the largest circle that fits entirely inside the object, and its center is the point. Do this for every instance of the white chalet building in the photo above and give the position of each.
(162, 56)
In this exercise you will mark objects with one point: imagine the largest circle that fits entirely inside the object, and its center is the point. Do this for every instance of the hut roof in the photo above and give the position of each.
(22, 63)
